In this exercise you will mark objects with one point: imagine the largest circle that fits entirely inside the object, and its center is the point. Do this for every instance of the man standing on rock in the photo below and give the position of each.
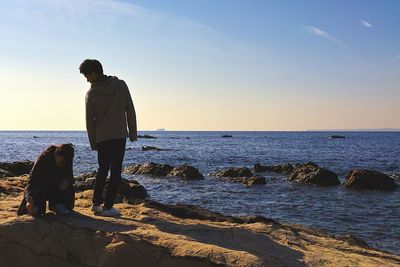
(109, 115)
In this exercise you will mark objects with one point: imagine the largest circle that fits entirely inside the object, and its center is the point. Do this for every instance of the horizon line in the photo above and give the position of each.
(305, 130)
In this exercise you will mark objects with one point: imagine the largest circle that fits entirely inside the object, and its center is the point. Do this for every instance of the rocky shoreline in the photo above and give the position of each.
(308, 173)
(155, 234)
(150, 233)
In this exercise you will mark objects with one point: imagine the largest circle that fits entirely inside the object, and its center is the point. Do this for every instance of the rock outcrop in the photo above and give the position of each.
(286, 168)
(150, 148)
(16, 168)
(252, 180)
(4, 173)
(150, 168)
(233, 172)
(239, 175)
(186, 172)
(369, 180)
(129, 190)
(337, 136)
(146, 136)
(151, 234)
(311, 173)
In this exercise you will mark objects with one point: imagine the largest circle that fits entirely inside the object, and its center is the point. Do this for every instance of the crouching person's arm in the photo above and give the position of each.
(68, 189)
(32, 190)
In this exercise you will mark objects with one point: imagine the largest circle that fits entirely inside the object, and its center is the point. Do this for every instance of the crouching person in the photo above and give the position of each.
(51, 179)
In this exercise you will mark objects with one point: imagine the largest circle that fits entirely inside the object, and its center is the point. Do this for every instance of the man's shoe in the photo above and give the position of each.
(97, 208)
(59, 209)
(113, 212)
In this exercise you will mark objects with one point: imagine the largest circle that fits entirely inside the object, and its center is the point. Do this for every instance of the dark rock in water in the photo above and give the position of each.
(131, 169)
(129, 190)
(337, 136)
(285, 168)
(311, 173)
(148, 148)
(4, 173)
(150, 168)
(18, 167)
(226, 136)
(146, 136)
(370, 180)
(186, 171)
(252, 180)
(239, 175)
(233, 172)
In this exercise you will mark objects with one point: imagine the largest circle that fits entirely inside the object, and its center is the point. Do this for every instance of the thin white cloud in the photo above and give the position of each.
(396, 57)
(366, 24)
(323, 34)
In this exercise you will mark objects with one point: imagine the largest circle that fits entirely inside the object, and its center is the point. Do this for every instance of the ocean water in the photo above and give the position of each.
(372, 215)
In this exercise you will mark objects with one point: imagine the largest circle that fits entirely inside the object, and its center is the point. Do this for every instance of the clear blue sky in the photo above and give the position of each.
(206, 65)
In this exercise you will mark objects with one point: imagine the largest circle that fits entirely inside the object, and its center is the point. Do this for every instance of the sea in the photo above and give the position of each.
(373, 216)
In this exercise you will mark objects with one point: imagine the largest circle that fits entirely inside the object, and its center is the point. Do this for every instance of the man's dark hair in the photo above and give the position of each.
(91, 65)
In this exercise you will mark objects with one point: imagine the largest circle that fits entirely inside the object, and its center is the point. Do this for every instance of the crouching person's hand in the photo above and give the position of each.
(32, 209)
(64, 184)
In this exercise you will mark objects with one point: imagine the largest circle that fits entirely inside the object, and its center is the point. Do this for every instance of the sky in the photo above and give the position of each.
(205, 65)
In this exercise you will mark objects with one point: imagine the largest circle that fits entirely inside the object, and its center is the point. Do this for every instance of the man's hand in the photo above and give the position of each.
(133, 138)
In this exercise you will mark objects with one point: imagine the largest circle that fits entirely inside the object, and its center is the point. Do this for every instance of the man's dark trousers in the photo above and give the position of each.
(110, 155)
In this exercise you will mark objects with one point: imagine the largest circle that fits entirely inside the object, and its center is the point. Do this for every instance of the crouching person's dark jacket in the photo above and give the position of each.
(46, 182)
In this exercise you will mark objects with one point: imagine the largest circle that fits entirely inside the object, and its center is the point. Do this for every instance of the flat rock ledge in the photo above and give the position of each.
(153, 234)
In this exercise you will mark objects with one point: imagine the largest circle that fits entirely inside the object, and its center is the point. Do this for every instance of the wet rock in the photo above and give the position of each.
(337, 136)
(370, 180)
(148, 148)
(147, 136)
(239, 175)
(252, 180)
(186, 172)
(311, 173)
(149, 168)
(233, 172)
(131, 169)
(4, 173)
(286, 168)
(129, 190)
(17, 168)
(85, 181)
